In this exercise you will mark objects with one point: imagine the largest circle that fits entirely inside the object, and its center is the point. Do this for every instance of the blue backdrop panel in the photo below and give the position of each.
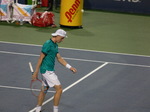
(131, 6)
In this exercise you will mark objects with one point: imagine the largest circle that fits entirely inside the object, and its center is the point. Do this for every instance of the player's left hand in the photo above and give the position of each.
(74, 70)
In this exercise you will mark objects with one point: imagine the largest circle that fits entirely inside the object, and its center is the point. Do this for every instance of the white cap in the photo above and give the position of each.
(60, 32)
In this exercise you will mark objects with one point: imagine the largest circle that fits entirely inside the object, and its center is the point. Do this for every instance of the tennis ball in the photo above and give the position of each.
(82, 10)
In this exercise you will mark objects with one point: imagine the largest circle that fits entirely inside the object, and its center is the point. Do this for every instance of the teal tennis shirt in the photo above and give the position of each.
(50, 49)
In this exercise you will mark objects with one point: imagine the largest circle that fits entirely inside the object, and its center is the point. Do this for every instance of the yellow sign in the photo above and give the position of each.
(71, 12)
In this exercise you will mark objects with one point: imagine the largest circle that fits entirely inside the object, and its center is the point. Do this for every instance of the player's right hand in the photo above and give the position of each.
(34, 76)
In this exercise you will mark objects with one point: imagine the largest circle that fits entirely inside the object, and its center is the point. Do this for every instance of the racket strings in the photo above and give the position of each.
(36, 87)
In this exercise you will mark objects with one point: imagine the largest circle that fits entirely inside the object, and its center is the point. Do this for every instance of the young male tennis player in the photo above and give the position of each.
(46, 64)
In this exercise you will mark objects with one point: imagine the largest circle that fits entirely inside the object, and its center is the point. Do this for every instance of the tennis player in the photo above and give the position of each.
(46, 63)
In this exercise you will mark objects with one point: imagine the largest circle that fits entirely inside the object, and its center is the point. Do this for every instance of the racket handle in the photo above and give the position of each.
(31, 68)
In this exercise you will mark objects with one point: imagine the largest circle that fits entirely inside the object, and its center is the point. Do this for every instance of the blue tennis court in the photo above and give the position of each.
(105, 82)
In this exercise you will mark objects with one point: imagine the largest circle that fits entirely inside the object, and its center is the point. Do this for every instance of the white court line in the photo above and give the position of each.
(24, 54)
(95, 61)
(20, 88)
(20, 43)
(75, 83)
(77, 49)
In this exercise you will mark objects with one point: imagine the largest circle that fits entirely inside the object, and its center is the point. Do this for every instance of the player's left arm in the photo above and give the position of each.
(64, 63)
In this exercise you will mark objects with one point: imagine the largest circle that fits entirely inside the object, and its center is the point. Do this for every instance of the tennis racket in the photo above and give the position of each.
(35, 85)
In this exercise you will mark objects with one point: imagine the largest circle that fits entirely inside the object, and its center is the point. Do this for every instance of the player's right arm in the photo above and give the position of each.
(35, 74)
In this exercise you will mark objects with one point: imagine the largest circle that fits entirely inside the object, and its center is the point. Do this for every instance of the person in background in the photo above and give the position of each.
(50, 5)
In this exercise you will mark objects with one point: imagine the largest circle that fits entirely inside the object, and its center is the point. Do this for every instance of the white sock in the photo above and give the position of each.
(55, 109)
(38, 109)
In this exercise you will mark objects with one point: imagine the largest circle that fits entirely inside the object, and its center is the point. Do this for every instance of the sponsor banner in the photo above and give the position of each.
(24, 10)
(71, 12)
(3, 10)
(129, 6)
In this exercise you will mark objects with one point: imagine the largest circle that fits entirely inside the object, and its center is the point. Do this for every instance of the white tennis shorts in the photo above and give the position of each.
(49, 78)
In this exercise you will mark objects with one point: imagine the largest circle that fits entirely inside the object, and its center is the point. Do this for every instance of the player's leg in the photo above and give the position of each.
(40, 101)
(42, 95)
(41, 98)
(57, 97)
(53, 81)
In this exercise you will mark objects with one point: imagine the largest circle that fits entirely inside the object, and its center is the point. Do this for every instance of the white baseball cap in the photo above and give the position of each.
(60, 32)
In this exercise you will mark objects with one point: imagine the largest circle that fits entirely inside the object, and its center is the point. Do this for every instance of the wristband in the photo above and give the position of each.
(68, 66)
